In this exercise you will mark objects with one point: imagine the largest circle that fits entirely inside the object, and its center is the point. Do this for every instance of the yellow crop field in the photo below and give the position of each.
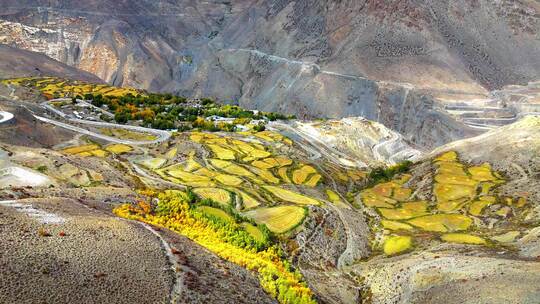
(251, 151)
(98, 153)
(118, 148)
(253, 231)
(394, 225)
(291, 196)
(278, 219)
(80, 149)
(84, 154)
(191, 165)
(63, 87)
(248, 201)
(126, 134)
(266, 175)
(463, 238)
(261, 164)
(371, 199)
(451, 168)
(171, 153)
(442, 222)
(419, 206)
(153, 163)
(220, 141)
(401, 194)
(450, 192)
(299, 175)
(450, 156)
(186, 176)
(218, 195)
(220, 164)
(272, 162)
(335, 199)
(229, 180)
(231, 167)
(273, 137)
(478, 206)
(449, 206)
(221, 153)
(397, 244)
(455, 179)
(384, 189)
(283, 174)
(460, 192)
(313, 180)
(400, 213)
(206, 172)
(482, 173)
(257, 154)
(217, 213)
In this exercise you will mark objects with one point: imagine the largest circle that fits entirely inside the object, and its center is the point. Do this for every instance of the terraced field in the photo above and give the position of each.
(465, 208)
(278, 219)
(127, 134)
(247, 171)
(86, 150)
(53, 87)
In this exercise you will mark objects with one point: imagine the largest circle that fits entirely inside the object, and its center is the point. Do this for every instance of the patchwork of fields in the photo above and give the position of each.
(254, 173)
(53, 87)
(464, 209)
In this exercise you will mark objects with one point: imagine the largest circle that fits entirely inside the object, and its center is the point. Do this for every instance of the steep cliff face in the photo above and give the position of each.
(308, 57)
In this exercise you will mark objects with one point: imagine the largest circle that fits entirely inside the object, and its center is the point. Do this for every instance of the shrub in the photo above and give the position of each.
(381, 174)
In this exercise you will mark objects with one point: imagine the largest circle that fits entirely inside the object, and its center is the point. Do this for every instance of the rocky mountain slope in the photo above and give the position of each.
(15, 62)
(350, 142)
(444, 273)
(462, 221)
(385, 60)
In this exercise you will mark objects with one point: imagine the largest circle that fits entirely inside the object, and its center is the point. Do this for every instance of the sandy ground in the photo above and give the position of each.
(91, 258)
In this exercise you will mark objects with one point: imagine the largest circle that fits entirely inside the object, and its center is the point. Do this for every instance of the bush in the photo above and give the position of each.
(42, 168)
(259, 128)
(381, 174)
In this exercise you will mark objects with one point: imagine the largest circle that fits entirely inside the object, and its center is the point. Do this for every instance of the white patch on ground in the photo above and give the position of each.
(21, 177)
(5, 116)
(38, 214)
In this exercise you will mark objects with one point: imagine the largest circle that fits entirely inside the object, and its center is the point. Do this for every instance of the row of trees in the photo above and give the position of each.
(227, 239)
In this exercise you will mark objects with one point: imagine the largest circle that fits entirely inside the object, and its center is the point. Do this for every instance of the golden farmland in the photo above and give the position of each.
(278, 219)
(461, 194)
